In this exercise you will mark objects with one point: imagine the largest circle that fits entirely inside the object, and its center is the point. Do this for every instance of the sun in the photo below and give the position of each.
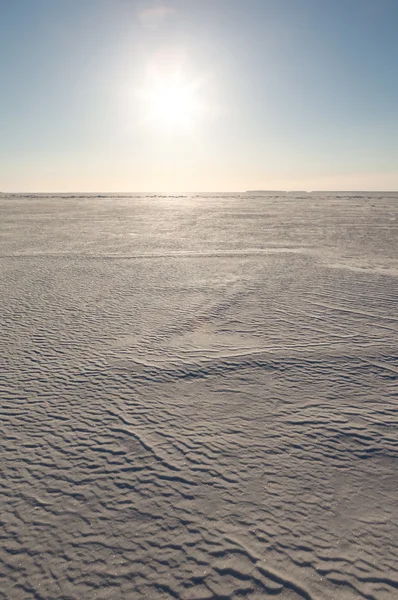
(172, 101)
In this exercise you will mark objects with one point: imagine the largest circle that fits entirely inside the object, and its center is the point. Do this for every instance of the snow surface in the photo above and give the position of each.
(199, 397)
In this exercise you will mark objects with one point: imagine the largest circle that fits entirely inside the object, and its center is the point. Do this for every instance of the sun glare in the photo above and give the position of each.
(172, 102)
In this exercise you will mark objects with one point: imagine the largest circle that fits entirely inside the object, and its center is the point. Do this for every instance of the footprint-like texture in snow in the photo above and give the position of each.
(199, 397)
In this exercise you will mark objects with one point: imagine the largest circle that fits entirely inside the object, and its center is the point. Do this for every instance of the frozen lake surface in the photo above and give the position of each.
(199, 397)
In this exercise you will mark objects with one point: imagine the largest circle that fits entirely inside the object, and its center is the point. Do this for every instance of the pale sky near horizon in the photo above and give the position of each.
(198, 95)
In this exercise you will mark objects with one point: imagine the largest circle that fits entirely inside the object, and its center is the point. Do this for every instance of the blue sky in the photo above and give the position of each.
(287, 94)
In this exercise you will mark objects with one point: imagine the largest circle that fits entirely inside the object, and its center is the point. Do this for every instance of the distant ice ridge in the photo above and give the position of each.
(351, 194)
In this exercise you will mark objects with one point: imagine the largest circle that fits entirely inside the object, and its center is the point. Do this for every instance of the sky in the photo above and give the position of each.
(198, 95)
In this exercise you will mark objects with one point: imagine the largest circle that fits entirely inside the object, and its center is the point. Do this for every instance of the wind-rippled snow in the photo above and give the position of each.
(199, 397)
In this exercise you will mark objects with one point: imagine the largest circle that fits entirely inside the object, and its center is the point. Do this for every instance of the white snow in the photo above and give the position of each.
(199, 397)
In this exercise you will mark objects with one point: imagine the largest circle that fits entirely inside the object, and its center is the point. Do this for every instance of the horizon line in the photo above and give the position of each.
(257, 191)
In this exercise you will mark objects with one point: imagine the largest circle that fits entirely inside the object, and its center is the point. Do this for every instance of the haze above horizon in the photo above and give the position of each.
(209, 95)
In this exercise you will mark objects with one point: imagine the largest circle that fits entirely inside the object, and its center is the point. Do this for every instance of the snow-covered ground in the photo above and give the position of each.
(199, 397)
